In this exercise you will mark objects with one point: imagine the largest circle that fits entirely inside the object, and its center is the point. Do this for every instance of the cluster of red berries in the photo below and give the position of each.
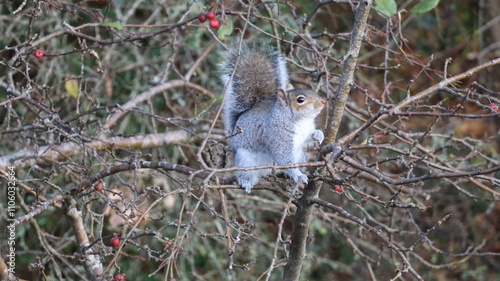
(214, 23)
(494, 107)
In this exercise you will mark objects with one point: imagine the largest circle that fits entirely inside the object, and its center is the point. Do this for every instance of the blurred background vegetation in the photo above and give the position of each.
(78, 83)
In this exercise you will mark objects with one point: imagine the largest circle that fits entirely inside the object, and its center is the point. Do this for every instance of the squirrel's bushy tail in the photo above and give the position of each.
(260, 71)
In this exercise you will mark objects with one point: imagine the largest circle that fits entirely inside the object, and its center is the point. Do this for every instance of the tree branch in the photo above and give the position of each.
(92, 261)
(424, 94)
(372, 229)
(348, 68)
(27, 156)
(305, 204)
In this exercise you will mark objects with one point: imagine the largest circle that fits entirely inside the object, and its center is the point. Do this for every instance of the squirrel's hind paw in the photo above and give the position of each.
(246, 184)
(296, 175)
(302, 177)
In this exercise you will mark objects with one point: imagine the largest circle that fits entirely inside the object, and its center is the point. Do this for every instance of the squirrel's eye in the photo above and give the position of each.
(301, 99)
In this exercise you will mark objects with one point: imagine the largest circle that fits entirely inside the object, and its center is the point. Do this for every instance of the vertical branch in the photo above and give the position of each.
(92, 262)
(349, 65)
(303, 216)
(229, 237)
(5, 274)
(305, 204)
(301, 224)
(286, 211)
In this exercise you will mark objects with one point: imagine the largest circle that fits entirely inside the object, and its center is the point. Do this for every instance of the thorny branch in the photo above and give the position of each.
(114, 132)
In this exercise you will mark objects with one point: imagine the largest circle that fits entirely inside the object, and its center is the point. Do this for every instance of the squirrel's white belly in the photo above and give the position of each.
(303, 130)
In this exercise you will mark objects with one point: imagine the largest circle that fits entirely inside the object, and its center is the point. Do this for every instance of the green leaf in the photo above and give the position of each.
(225, 29)
(424, 6)
(386, 8)
(71, 86)
(115, 24)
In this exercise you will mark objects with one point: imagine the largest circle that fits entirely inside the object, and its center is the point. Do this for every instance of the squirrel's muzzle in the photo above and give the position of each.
(320, 103)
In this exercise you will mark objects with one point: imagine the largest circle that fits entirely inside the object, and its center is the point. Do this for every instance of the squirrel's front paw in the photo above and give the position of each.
(318, 136)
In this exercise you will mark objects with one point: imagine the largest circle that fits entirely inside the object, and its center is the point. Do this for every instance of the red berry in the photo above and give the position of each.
(115, 241)
(338, 188)
(119, 277)
(38, 53)
(493, 106)
(214, 23)
(211, 15)
(202, 17)
(98, 187)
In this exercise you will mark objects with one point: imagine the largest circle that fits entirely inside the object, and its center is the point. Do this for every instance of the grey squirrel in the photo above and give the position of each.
(269, 120)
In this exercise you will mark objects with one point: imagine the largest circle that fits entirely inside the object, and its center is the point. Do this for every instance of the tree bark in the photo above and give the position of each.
(305, 205)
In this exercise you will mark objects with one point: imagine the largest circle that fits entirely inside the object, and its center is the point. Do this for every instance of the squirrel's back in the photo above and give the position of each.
(274, 120)
(260, 71)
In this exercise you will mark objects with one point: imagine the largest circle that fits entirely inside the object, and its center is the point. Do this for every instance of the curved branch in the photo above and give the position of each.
(372, 229)
(424, 94)
(150, 93)
(92, 261)
(432, 175)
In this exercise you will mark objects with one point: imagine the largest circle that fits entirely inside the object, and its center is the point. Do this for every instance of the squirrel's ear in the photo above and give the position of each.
(289, 86)
(283, 97)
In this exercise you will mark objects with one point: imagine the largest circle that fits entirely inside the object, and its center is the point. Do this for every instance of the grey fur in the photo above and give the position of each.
(275, 122)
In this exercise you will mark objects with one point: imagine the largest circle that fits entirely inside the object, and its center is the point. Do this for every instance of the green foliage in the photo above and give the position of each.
(83, 82)
(386, 8)
(424, 6)
(115, 24)
(226, 29)
(479, 273)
